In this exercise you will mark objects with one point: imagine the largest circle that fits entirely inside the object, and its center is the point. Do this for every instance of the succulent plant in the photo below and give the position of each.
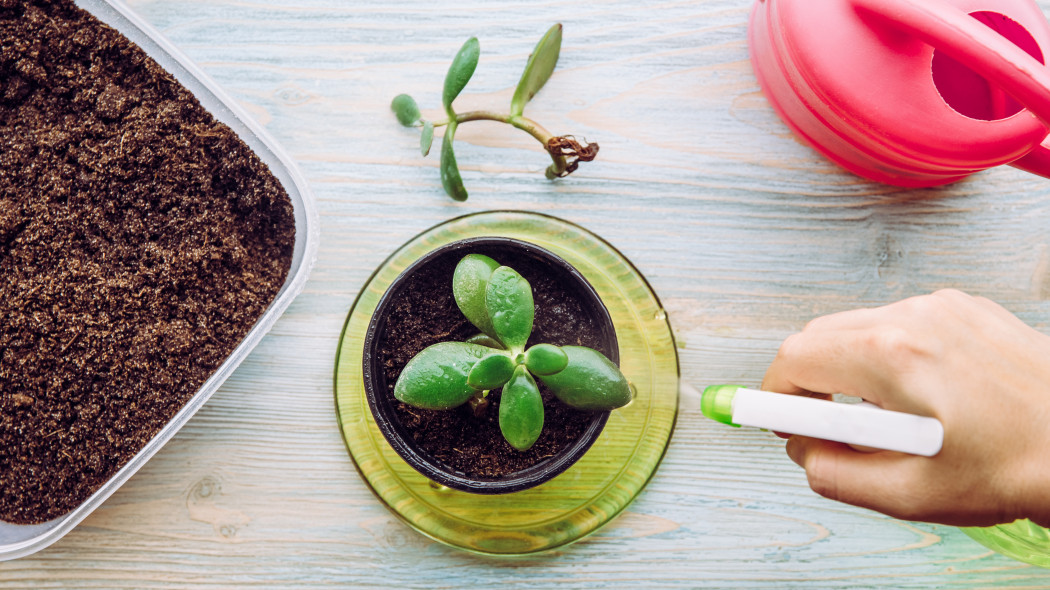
(565, 151)
(498, 301)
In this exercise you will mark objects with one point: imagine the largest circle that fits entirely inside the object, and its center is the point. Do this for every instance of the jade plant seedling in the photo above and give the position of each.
(565, 151)
(498, 301)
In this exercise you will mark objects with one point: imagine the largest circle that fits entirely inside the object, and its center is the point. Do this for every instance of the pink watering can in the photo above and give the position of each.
(909, 92)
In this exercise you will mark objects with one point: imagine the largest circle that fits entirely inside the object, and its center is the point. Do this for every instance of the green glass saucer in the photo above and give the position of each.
(591, 492)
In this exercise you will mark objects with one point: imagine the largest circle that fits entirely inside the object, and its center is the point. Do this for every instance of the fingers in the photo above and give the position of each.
(822, 358)
(872, 353)
(902, 486)
(879, 481)
(852, 362)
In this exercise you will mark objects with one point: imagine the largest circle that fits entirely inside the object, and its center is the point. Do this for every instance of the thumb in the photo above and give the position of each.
(883, 481)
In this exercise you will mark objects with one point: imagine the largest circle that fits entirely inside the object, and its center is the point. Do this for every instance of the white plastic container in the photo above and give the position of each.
(20, 540)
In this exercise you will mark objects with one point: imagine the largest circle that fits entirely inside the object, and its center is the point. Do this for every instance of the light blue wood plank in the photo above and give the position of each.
(744, 233)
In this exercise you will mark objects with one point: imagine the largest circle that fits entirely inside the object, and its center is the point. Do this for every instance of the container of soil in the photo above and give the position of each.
(463, 447)
(150, 234)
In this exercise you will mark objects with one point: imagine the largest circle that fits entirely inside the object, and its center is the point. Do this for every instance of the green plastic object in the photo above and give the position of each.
(717, 403)
(1022, 540)
(603, 482)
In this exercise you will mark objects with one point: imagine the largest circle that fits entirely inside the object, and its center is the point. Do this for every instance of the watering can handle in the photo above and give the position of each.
(983, 50)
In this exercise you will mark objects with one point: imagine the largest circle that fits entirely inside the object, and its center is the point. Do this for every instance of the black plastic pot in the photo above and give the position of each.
(383, 404)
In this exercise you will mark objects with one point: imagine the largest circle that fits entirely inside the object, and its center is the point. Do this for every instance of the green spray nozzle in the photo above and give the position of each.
(717, 403)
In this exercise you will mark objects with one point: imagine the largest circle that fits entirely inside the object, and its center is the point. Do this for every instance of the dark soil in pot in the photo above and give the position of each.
(140, 240)
(423, 312)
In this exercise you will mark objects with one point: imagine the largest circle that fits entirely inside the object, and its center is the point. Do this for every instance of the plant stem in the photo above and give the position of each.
(479, 403)
(525, 124)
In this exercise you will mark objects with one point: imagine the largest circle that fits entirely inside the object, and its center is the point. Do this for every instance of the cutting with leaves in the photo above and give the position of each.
(566, 151)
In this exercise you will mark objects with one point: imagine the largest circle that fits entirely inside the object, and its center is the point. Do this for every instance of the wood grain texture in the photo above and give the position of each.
(744, 233)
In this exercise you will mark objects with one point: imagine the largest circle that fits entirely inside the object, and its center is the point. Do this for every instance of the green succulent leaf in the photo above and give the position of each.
(406, 110)
(426, 139)
(450, 178)
(491, 372)
(590, 381)
(469, 281)
(436, 378)
(485, 339)
(459, 73)
(545, 359)
(521, 410)
(537, 70)
(508, 299)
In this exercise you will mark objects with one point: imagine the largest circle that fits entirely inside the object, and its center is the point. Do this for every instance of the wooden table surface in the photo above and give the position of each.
(744, 233)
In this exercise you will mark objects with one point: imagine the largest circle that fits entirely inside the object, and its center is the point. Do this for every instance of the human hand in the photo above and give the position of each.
(963, 360)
